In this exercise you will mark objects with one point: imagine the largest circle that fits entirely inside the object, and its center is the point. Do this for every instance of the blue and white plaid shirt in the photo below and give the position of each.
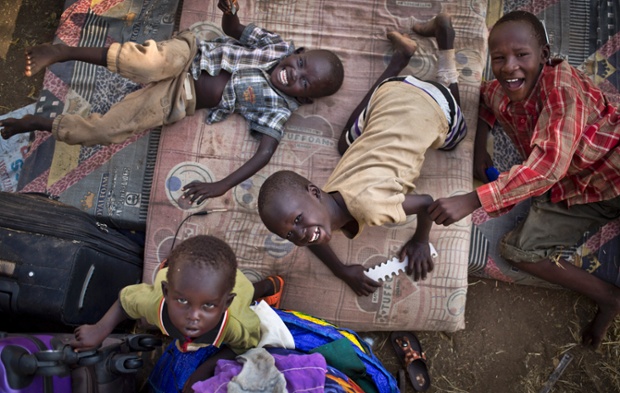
(249, 91)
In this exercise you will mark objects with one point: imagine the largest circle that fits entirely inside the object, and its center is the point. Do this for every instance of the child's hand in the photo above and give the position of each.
(447, 211)
(229, 7)
(361, 284)
(87, 337)
(198, 192)
(482, 161)
(420, 259)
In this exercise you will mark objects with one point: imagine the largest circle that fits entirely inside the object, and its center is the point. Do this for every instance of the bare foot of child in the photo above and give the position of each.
(439, 27)
(404, 47)
(40, 56)
(11, 126)
(594, 333)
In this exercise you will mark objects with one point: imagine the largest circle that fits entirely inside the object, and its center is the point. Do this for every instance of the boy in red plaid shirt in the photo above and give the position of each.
(569, 134)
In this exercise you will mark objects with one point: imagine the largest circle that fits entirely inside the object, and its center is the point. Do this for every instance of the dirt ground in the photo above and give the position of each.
(514, 335)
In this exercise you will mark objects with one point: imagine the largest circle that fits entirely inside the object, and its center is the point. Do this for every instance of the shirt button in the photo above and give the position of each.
(522, 121)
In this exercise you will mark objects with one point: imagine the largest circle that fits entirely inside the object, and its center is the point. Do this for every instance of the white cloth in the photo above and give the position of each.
(273, 331)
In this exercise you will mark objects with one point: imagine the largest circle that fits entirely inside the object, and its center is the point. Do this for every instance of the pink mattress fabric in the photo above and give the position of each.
(191, 150)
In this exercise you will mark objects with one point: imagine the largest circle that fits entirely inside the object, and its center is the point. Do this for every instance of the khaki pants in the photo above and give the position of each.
(167, 97)
(550, 227)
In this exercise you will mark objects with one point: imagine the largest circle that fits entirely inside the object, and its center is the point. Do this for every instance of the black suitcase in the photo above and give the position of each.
(59, 263)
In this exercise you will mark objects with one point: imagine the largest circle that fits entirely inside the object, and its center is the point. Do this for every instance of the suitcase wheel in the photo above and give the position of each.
(143, 342)
(124, 364)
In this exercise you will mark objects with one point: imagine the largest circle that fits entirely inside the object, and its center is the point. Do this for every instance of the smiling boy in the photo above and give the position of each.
(569, 134)
(384, 149)
(251, 71)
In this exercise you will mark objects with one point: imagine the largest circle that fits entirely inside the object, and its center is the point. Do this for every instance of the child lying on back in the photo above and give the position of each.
(251, 71)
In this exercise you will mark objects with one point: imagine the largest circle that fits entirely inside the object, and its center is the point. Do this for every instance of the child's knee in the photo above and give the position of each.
(151, 61)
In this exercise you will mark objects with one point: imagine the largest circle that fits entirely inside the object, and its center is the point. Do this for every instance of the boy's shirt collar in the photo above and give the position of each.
(212, 337)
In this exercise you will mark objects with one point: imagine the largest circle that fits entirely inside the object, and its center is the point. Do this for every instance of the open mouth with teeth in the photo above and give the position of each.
(514, 84)
(283, 77)
(315, 235)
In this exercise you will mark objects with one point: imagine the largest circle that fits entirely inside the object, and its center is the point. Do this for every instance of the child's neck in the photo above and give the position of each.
(339, 211)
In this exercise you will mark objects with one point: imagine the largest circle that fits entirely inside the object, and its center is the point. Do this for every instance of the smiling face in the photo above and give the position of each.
(299, 217)
(304, 74)
(516, 58)
(196, 299)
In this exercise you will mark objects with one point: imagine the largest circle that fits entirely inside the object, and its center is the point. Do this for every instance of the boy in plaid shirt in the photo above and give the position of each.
(569, 134)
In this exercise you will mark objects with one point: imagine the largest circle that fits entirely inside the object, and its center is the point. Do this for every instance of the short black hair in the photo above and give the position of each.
(337, 71)
(528, 17)
(204, 252)
(277, 185)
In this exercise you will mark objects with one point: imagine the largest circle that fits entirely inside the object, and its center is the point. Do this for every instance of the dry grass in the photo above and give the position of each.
(589, 371)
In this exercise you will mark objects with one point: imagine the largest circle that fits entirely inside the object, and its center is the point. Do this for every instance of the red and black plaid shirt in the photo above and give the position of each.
(569, 133)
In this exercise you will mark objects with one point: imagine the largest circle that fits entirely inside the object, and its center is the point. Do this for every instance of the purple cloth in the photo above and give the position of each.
(303, 373)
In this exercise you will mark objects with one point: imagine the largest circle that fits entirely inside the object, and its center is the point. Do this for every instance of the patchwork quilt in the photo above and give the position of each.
(112, 183)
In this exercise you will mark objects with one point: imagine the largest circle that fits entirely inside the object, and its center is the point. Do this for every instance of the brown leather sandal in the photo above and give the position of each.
(413, 359)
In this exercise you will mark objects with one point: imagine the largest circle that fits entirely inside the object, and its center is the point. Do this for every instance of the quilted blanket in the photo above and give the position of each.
(111, 183)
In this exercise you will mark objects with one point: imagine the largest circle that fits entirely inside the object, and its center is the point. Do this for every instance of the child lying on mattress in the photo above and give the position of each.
(570, 134)
(251, 71)
(373, 183)
(200, 299)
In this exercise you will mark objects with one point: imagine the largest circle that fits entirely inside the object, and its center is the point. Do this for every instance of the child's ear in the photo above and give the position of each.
(229, 300)
(314, 191)
(164, 288)
(546, 54)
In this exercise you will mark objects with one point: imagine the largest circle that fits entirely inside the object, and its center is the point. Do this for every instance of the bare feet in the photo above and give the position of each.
(594, 333)
(11, 126)
(439, 27)
(40, 56)
(404, 47)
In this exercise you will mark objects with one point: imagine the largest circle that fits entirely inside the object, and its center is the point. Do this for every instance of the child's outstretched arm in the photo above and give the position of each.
(230, 20)
(91, 336)
(417, 248)
(199, 191)
(447, 211)
(352, 275)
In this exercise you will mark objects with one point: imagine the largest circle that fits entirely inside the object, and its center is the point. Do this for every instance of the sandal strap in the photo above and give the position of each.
(410, 353)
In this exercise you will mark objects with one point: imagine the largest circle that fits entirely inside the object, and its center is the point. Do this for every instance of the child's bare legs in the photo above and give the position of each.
(605, 295)
(404, 49)
(441, 28)
(40, 56)
(37, 58)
